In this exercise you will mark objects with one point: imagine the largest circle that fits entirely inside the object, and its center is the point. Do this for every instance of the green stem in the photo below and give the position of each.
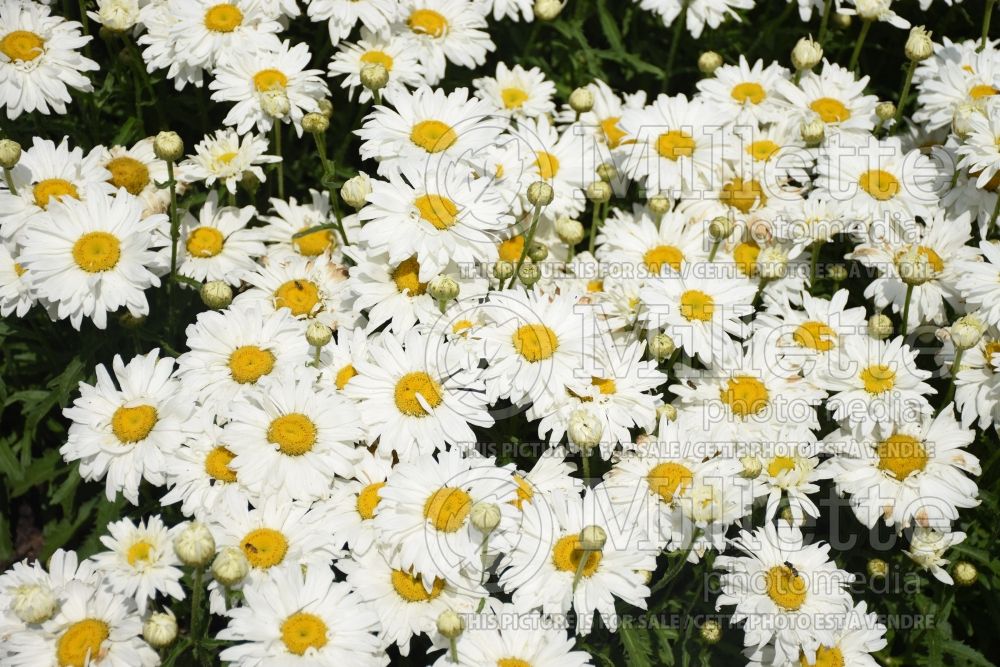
(10, 181)
(527, 244)
(585, 461)
(581, 566)
(454, 649)
(906, 309)
(174, 221)
(986, 24)
(865, 27)
(595, 222)
(825, 21)
(197, 591)
(675, 41)
(316, 355)
(281, 163)
(953, 371)
(86, 27)
(902, 96)
(328, 172)
(715, 248)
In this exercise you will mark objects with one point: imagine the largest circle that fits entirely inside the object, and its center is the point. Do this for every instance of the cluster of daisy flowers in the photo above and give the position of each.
(322, 429)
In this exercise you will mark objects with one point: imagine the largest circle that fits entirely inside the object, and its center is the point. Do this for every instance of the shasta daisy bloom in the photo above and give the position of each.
(916, 475)
(602, 122)
(34, 590)
(126, 435)
(291, 218)
(16, 294)
(40, 59)
(540, 570)
(423, 516)
(517, 92)
(339, 357)
(789, 469)
(207, 32)
(352, 505)
(219, 244)
(745, 93)
(92, 257)
(811, 220)
(390, 50)
(310, 289)
(254, 80)
(551, 474)
(138, 170)
(291, 439)
(160, 48)
(226, 157)
(834, 96)
(977, 383)
(436, 213)
(47, 173)
(342, 15)
(927, 548)
(301, 616)
(141, 562)
(230, 351)
(874, 385)
(561, 159)
(957, 76)
(877, 10)
(446, 31)
(697, 13)
(980, 152)
(979, 285)
(783, 590)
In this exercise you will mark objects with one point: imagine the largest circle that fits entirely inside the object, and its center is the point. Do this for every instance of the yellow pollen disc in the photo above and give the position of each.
(315, 243)
(989, 350)
(223, 17)
(299, 296)
(612, 133)
(294, 433)
(825, 657)
(742, 195)
(447, 508)
(548, 165)
(45, 190)
(269, 79)
(663, 255)
(217, 464)
(930, 255)
(878, 378)
(667, 478)
(226, 158)
(748, 91)
(461, 327)
(437, 210)
(815, 336)
(567, 554)
(138, 552)
(301, 632)
(745, 257)
(981, 91)
(131, 425)
(879, 184)
(780, 464)
(95, 252)
(511, 249)
(763, 150)
(606, 386)
(264, 547)
(428, 22)
(376, 57)
(513, 98)
(595, 286)
(368, 500)
(411, 587)
(128, 173)
(524, 492)
(786, 588)
(901, 455)
(745, 395)
(205, 242)
(830, 110)
(344, 376)
(513, 662)
(535, 342)
(249, 363)
(696, 305)
(433, 136)
(412, 384)
(19, 270)
(80, 644)
(675, 144)
(406, 277)
(22, 45)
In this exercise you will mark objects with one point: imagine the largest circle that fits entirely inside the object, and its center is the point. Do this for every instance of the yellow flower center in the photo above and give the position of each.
(302, 631)
(412, 384)
(344, 376)
(675, 144)
(511, 249)
(745, 395)
(433, 135)
(748, 91)
(901, 455)
(138, 552)
(269, 79)
(315, 243)
(19, 270)
(217, 464)
(131, 425)
(410, 587)
(264, 547)
(80, 644)
(205, 242)
(989, 350)
(596, 285)
(606, 386)
(786, 587)
(830, 110)
(696, 305)
(524, 492)
(612, 133)
(128, 173)
(815, 336)
(53, 187)
(780, 464)
(513, 662)
(226, 158)
(666, 479)
(929, 254)
(878, 378)
(22, 45)
(428, 22)
(879, 184)
(223, 17)
(376, 57)
(95, 252)
(437, 210)
(299, 296)
(745, 257)
(249, 363)
(461, 327)
(447, 508)
(982, 90)
(742, 195)
(513, 98)
(368, 500)
(406, 277)
(294, 433)
(825, 657)
(663, 255)
(535, 342)
(567, 554)
(763, 150)
(548, 165)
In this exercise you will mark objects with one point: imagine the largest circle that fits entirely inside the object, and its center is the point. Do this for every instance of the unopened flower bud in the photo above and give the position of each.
(962, 120)
(443, 288)
(547, 10)
(216, 294)
(607, 172)
(116, 15)
(967, 331)
(160, 629)
(249, 181)
(584, 430)
(326, 107)
(880, 326)
(529, 273)
(666, 411)
(806, 54)
(503, 270)
(752, 467)
(661, 346)
(450, 624)
(708, 62)
(275, 103)
(33, 603)
(485, 517)
(772, 263)
(581, 100)
(710, 631)
(720, 228)
(570, 231)
(658, 205)
(787, 516)
(538, 252)
(130, 321)
(593, 538)
(914, 267)
(194, 545)
(813, 131)
(315, 123)
(10, 153)
(599, 192)
(885, 111)
(877, 568)
(374, 76)
(919, 45)
(841, 20)
(540, 193)
(356, 189)
(965, 573)
(168, 146)
(838, 272)
(231, 566)
(318, 334)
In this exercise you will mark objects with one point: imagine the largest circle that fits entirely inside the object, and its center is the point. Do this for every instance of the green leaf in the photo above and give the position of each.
(638, 645)
(970, 655)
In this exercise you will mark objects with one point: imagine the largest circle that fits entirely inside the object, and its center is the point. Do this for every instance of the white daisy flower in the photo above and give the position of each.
(956, 76)
(160, 46)
(980, 152)
(834, 96)
(34, 591)
(927, 548)
(789, 470)
(219, 244)
(342, 15)
(602, 123)
(226, 157)
(445, 31)
(16, 293)
(977, 383)
(340, 357)
(775, 156)
(205, 32)
(392, 51)
(291, 218)
(877, 10)
(811, 220)
(138, 170)
(551, 474)
(697, 13)
(517, 92)
(309, 289)
(638, 240)
(561, 159)
(979, 285)
(745, 93)
(352, 505)
(512, 9)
